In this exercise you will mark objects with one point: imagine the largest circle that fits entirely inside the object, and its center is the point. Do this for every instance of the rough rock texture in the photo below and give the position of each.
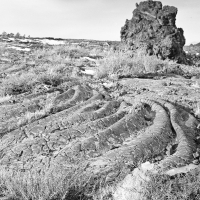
(153, 30)
(83, 124)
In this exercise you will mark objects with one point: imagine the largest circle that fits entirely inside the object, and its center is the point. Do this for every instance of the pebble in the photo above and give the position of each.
(198, 127)
(196, 155)
(198, 141)
(164, 84)
(195, 162)
(158, 158)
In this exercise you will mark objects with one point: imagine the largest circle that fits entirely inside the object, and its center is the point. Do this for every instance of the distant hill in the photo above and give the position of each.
(198, 44)
(192, 49)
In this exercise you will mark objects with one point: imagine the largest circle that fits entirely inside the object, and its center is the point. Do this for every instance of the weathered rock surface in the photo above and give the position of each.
(153, 30)
(83, 125)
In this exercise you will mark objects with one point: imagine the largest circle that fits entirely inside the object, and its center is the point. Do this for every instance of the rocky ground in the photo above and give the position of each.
(56, 112)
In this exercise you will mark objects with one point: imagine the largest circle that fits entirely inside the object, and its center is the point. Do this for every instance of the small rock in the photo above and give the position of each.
(198, 150)
(170, 83)
(198, 141)
(198, 127)
(196, 155)
(159, 158)
(164, 83)
(196, 162)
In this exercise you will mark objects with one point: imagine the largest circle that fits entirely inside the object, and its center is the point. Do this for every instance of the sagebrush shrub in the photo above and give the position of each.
(18, 84)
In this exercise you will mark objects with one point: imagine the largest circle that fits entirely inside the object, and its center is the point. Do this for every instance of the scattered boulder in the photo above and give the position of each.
(152, 30)
(133, 184)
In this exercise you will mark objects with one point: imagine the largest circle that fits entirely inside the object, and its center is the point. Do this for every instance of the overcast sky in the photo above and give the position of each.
(86, 19)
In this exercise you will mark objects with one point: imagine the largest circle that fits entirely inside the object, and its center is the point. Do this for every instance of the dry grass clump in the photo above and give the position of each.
(2, 49)
(61, 52)
(124, 63)
(52, 67)
(47, 184)
(73, 51)
(29, 117)
(52, 77)
(178, 187)
(60, 183)
(17, 84)
(127, 64)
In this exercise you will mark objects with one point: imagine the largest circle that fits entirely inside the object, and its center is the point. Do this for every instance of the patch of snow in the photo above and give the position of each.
(108, 85)
(131, 186)
(186, 52)
(74, 43)
(5, 59)
(90, 59)
(19, 49)
(13, 39)
(196, 84)
(106, 44)
(89, 72)
(98, 163)
(197, 54)
(93, 54)
(147, 166)
(25, 49)
(179, 170)
(24, 40)
(52, 42)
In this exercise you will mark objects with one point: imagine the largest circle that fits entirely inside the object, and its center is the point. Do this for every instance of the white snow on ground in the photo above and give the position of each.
(51, 42)
(25, 40)
(13, 39)
(197, 54)
(108, 85)
(90, 59)
(179, 170)
(186, 52)
(26, 49)
(19, 49)
(89, 72)
(196, 84)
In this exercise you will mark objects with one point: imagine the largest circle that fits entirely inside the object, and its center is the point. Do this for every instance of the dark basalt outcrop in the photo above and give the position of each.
(153, 30)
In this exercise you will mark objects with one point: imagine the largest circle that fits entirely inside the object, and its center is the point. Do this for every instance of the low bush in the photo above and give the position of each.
(18, 84)
(128, 64)
(124, 63)
(52, 184)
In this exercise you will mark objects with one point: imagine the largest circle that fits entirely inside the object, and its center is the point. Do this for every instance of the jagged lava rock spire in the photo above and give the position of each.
(153, 30)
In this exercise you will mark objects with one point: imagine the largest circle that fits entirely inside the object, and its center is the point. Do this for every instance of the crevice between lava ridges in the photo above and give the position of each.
(153, 141)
